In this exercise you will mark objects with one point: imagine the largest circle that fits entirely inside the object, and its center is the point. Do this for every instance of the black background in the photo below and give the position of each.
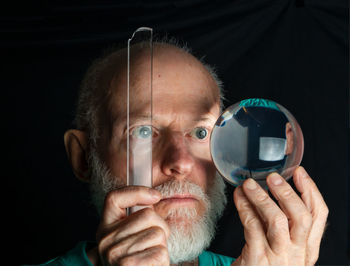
(293, 52)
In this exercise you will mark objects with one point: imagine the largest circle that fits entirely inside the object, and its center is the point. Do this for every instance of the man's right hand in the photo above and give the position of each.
(138, 239)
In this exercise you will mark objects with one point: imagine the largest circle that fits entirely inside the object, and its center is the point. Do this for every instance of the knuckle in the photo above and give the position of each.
(262, 197)
(167, 230)
(251, 222)
(111, 198)
(158, 233)
(107, 247)
(101, 245)
(244, 205)
(324, 212)
(161, 254)
(287, 193)
(314, 259)
(112, 254)
(147, 214)
(278, 229)
(103, 242)
(280, 222)
(130, 260)
(305, 220)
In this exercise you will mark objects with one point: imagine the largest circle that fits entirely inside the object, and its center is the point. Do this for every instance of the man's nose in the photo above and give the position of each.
(177, 160)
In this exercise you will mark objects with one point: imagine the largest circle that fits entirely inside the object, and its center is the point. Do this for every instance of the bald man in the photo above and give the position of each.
(188, 196)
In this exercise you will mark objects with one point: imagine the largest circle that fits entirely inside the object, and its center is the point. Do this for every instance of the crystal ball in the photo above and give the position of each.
(254, 138)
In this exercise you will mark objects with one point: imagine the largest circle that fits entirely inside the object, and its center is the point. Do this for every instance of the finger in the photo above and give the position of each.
(136, 222)
(118, 200)
(310, 194)
(314, 201)
(300, 219)
(153, 236)
(153, 256)
(139, 221)
(277, 230)
(254, 233)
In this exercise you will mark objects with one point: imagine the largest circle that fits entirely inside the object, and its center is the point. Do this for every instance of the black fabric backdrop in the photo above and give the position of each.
(293, 52)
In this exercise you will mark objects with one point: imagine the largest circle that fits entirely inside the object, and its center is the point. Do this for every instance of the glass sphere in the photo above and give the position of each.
(254, 138)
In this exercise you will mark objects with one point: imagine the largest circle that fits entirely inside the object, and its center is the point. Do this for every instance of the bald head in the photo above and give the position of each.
(107, 77)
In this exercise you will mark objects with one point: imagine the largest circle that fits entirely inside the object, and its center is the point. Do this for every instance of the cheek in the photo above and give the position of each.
(200, 151)
(206, 174)
(115, 159)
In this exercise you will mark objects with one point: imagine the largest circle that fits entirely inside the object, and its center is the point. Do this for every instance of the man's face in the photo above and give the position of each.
(185, 108)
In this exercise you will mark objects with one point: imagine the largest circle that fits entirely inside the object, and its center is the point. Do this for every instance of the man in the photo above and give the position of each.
(187, 197)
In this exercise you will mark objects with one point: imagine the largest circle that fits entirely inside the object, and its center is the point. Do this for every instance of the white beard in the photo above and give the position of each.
(191, 234)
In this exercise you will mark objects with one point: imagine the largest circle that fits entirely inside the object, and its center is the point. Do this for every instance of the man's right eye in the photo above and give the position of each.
(142, 132)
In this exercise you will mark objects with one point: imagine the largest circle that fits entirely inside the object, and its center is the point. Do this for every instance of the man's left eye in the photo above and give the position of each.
(200, 133)
(142, 132)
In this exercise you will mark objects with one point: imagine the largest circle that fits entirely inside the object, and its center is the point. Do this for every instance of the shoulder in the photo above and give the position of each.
(211, 258)
(76, 256)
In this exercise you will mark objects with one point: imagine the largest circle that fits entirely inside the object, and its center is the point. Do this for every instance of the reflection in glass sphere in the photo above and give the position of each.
(254, 138)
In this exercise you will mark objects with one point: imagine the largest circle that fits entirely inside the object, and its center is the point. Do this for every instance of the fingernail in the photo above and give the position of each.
(275, 179)
(250, 184)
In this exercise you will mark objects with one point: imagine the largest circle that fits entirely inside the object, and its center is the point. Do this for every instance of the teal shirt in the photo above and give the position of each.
(213, 259)
(77, 257)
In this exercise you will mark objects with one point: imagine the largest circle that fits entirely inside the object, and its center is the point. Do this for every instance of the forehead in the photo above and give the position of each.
(180, 85)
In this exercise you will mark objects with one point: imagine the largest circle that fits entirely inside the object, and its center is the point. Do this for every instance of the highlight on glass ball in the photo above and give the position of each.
(254, 138)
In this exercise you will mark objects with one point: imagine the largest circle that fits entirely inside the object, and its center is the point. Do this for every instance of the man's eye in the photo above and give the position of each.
(142, 132)
(200, 133)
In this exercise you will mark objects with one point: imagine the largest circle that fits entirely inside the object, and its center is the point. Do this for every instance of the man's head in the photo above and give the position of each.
(186, 104)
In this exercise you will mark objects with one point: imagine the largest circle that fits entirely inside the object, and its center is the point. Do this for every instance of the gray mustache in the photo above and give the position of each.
(175, 187)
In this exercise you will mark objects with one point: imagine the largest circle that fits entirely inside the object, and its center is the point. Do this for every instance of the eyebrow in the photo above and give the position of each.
(204, 119)
(140, 118)
(147, 118)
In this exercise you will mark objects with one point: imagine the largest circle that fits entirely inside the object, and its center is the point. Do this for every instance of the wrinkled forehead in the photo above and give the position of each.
(180, 84)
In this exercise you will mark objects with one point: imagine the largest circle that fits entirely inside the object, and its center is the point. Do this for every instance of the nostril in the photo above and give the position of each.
(177, 162)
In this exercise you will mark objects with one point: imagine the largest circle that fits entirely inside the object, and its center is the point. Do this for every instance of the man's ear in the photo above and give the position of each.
(76, 145)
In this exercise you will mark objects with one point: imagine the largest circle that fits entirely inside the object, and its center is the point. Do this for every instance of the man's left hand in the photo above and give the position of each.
(287, 233)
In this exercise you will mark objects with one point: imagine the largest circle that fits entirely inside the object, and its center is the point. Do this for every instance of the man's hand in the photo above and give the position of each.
(288, 234)
(138, 239)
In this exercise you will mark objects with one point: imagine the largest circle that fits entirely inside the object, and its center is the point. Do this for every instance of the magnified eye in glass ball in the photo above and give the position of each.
(254, 138)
